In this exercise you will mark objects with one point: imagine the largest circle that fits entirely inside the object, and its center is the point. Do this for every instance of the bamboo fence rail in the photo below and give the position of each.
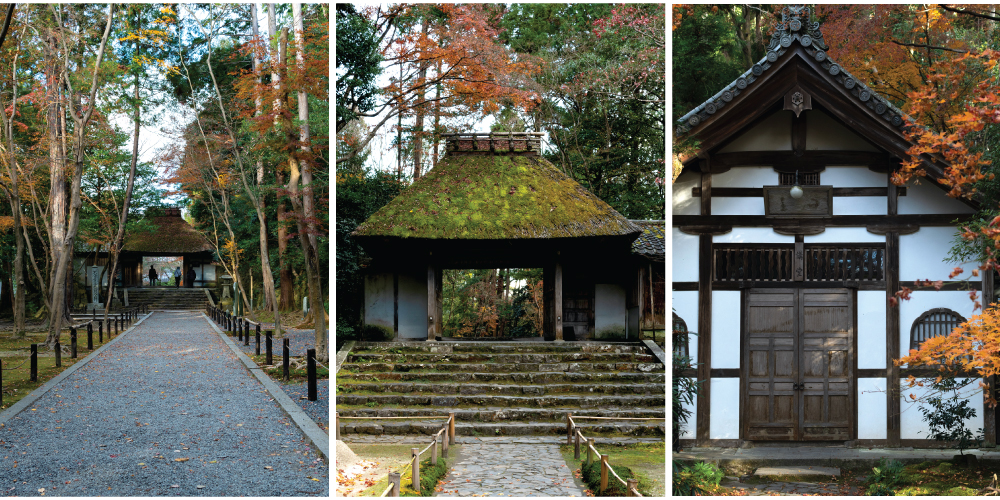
(576, 436)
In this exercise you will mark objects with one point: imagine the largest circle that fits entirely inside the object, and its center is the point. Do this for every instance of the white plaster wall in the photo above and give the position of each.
(922, 254)
(688, 430)
(610, 313)
(871, 329)
(379, 300)
(412, 307)
(725, 329)
(685, 304)
(823, 132)
(209, 273)
(872, 411)
(772, 134)
(683, 202)
(912, 425)
(852, 176)
(745, 177)
(725, 417)
(860, 205)
(684, 250)
(752, 235)
(920, 302)
(925, 198)
(844, 235)
(737, 206)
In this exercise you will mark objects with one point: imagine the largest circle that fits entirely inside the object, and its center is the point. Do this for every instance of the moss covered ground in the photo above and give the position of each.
(396, 458)
(646, 461)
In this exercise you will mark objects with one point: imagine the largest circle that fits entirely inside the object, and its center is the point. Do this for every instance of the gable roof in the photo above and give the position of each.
(495, 197)
(652, 242)
(796, 57)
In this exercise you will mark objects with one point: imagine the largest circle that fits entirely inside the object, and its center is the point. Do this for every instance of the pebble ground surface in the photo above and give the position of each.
(298, 342)
(168, 410)
(510, 470)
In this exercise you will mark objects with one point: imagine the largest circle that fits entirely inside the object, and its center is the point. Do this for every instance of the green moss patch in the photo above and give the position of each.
(495, 197)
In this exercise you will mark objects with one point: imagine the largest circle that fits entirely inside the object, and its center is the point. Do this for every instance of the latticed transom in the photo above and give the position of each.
(680, 336)
(786, 179)
(933, 323)
(749, 262)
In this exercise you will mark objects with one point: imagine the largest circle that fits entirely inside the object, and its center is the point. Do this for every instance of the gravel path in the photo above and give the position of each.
(167, 410)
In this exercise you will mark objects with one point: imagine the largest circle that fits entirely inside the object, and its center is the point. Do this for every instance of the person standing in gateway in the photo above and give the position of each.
(152, 276)
(177, 277)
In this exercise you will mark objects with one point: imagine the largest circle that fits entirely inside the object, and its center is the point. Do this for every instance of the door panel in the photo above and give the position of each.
(798, 365)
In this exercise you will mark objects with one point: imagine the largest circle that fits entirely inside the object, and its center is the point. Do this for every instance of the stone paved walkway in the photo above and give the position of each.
(511, 470)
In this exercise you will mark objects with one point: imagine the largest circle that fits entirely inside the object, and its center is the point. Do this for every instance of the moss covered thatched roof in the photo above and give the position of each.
(496, 197)
(172, 235)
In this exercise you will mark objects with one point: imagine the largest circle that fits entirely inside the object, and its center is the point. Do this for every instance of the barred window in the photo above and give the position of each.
(933, 323)
(680, 336)
(788, 179)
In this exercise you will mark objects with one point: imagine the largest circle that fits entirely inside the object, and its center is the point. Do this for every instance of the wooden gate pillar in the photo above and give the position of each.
(552, 292)
(434, 298)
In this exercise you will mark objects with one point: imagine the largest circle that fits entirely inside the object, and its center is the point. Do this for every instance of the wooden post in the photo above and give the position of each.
(451, 428)
(434, 451)
(576, 444)
(444, 445)
(394, 481)
(590, 444)
(336, 426)
(416, 469)
(432, 322)
(604, 474)
(632, 484)
(569, 429)
(34, 362)
(558, 300)
(58, 354)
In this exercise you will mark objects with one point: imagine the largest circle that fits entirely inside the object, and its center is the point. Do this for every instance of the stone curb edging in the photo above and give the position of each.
(313, 433)
(343, 352)
(36, 394)
(655, 349)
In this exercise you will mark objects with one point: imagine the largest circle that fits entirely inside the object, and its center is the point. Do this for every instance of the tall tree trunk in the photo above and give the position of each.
(287, 300)
(17, 273)
(265, 261)
(418, 125)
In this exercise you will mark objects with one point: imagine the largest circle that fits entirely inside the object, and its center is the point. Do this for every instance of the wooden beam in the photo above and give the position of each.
(892, 332)
(681, 221)
(807, 162)
(706, 188)
(704, 408)
(759, 192)
(799, 135)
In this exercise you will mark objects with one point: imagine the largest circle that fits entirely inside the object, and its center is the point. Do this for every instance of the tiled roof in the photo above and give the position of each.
(652, 242)
(795, 27)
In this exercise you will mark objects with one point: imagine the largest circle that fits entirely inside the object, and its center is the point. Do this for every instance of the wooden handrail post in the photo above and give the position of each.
(336, 426)
(632, 484)
(604, 474)
(576, 444)
(569, 428)
(414, 452)
(590, 444)
(434, 451)
(394, 481)
(451, 427)
(444, 446)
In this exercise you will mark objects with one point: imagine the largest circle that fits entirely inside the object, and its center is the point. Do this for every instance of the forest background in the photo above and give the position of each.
(245, 151)
(590, 76)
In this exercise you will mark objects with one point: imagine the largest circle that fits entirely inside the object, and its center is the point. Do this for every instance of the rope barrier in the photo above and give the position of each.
(387, 490)
(385, 418)
(612, 471)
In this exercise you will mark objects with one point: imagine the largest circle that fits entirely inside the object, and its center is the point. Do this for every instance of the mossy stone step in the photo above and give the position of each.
(565, 357)
(498, 347)
(528, 378)
(508, 390)
(502, 429)
(507, 414)
(354, 367)
(565, 402)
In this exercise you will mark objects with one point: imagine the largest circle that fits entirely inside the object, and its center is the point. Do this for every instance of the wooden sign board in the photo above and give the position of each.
(816, 202)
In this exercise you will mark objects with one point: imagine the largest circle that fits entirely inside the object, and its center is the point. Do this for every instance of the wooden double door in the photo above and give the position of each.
(797, 379)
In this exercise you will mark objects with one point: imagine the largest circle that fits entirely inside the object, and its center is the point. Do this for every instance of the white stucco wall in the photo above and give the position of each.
(725, 329)
(379, 300)
(912, 425)
(922, 301)
(610, 313)
(871, 329)
(725, 418)
(745, 177)
(772, 134)
(688, 430)
(685, 304)
(412, 306)
(872, 412)
(860, 205)
(853, 176)
(845, 235)
(682, 201)
(209, 272)
(825, 133)
(924, 198)
(737, 206)
(922, 254)
(752, 235)
(684, 256)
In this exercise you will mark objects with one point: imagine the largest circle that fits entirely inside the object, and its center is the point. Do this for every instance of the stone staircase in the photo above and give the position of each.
(502, 388)
(169, 298)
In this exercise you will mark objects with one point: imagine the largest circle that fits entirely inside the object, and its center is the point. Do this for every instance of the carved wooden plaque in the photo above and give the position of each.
(816, 202)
